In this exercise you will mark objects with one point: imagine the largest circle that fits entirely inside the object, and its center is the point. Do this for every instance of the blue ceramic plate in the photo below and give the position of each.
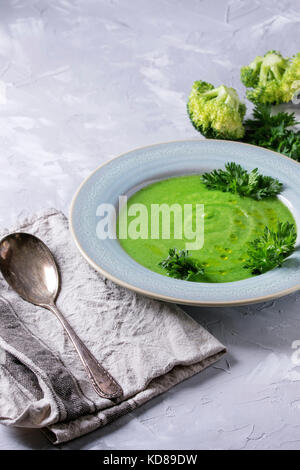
(133, 170)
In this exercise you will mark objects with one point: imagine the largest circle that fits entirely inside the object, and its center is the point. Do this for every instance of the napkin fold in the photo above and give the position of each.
(148, 346)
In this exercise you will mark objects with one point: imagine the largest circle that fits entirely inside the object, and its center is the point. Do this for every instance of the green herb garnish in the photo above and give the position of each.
(272, 132)
(269, 251)
(181, 266)
(237, 180)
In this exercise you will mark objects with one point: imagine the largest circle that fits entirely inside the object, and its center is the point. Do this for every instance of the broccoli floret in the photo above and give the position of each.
(263, 76)
(291, 79)
(216, 112)
(250, 73)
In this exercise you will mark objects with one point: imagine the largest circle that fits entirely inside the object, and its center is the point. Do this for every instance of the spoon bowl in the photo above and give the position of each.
(30, 269)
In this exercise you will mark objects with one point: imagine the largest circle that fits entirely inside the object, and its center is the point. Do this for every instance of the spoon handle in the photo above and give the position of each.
(102, 381)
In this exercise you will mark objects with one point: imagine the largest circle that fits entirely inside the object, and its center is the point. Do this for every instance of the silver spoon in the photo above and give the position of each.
(30, 269)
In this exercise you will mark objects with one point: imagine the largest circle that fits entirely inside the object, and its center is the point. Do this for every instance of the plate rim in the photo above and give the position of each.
(150, 294)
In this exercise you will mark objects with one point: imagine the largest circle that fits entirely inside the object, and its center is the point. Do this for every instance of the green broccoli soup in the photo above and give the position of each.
(230, 222)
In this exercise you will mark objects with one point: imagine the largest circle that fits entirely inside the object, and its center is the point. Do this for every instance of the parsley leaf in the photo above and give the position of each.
(180, 266)
(269, 251)
(236, 179)
(272, 131)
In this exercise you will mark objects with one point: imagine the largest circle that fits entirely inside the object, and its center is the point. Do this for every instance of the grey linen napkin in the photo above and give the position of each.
(148, 346)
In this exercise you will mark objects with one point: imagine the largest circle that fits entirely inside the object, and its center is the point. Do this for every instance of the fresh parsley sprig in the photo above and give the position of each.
(180, 265)
(273, 131)
(237, 180)
(269, 251)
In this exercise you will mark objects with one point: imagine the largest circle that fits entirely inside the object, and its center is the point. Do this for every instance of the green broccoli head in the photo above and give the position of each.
(291, 79)
(250, 73)
(216, 112)
(263, 76)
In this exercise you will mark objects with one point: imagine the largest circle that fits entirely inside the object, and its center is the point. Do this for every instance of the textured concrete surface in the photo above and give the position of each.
(84, 80)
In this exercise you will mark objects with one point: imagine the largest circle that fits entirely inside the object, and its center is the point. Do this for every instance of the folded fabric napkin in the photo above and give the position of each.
(147, 346)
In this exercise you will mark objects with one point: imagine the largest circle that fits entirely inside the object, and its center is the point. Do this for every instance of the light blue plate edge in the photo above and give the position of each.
(128, 171)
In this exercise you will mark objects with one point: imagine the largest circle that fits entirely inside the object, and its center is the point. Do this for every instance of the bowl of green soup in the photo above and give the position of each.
(194, 222)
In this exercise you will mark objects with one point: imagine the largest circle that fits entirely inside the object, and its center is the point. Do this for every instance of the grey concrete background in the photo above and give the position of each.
(84, 80)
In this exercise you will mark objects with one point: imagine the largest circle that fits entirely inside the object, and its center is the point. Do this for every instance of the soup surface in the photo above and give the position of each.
(230, 221)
